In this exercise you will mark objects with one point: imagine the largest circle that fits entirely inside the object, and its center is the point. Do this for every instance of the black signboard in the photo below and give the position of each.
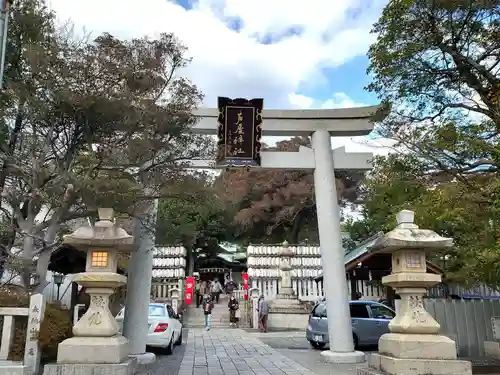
(240, 132)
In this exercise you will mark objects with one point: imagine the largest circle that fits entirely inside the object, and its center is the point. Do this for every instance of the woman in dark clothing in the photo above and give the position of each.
(233, 307)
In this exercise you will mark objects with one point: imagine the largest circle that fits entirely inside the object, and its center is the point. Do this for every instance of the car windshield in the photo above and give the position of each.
(320, 310)
(156, 310)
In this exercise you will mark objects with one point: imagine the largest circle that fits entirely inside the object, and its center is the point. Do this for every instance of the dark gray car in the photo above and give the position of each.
(369, 321)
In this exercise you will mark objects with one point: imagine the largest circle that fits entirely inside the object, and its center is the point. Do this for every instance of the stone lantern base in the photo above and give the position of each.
(414, 354)
(128, 367)
(97, 350)
(286, 312)
(379, 364)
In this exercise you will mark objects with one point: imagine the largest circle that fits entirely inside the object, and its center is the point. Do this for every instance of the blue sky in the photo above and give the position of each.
(349, 78)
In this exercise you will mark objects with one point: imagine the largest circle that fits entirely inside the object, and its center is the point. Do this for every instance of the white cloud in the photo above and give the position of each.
(236, 64)
(338, 100)
(379, 146)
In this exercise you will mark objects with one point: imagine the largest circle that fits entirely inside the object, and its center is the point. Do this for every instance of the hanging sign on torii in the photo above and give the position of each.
(239, 132)
(240, 123)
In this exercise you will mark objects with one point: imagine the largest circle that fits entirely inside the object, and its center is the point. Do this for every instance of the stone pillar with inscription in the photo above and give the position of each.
(414, 345)
(97, 341)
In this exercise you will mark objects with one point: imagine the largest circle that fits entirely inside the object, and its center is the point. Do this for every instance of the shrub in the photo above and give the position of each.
(56, 326)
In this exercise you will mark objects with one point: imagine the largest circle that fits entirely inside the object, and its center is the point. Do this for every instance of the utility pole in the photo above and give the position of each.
(4, 26)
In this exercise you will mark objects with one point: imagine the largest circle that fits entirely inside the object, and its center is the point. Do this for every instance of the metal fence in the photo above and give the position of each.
(466, 321)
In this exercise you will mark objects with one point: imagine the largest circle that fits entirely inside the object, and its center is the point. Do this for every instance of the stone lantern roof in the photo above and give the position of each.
(103, 234)
(407, 235)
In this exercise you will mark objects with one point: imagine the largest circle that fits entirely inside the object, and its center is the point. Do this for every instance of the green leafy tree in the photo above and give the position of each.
(437, 63)
(198, 219)
(276, 205)
(450, 208)
(86, 125)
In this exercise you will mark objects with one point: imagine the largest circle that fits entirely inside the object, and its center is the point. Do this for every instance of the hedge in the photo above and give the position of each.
(55, 328)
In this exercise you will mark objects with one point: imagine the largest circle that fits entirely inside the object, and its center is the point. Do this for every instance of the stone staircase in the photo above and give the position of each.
(195, 317)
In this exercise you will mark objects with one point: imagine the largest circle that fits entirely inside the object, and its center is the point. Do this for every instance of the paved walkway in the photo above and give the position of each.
(236, 352)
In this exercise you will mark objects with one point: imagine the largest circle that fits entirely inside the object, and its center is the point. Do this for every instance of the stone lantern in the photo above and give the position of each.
(175, 295)
(285, 254)
(414, 345)
(96, 335)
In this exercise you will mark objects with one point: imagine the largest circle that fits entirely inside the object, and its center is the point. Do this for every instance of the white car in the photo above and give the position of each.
(165, 329)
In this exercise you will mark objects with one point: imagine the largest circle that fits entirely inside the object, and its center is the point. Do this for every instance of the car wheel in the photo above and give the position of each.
(170, 348)
(355, 341)
(317, 345)
(179, 340)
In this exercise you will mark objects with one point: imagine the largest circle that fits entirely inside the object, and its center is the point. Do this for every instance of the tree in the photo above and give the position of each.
(451, 209)
(438, 64)
(86, 125)
(274, 205)
(199, 220)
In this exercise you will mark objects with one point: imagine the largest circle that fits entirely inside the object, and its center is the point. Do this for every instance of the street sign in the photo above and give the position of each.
(239, 132)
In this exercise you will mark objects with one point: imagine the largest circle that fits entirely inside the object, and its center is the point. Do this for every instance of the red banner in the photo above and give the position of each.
(244, 277)
(188, 294)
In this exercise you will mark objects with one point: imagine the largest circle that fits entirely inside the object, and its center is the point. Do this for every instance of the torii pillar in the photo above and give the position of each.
(321, 125)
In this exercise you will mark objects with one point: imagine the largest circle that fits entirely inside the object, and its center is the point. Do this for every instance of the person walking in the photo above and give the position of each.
(203, 289)
(197, 293)
(233, 307)
(207, 306)
(263, 314)
(229, 287)
(216, 290)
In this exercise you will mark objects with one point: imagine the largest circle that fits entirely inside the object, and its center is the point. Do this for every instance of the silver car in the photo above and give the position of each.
(369, 321)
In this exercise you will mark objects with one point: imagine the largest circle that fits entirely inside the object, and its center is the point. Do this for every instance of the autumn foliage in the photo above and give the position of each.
(273, 205)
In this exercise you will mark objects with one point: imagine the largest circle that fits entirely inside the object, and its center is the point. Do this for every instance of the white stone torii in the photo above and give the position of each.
(321, 125)
(302, 159)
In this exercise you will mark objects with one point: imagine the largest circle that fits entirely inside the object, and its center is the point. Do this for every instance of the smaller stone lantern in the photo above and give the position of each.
(286, 289)
(287, 311)
(96, 335)
(175, 296)
(414, 345)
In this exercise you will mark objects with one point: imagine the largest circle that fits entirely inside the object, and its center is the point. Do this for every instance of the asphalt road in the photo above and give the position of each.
(167, 364)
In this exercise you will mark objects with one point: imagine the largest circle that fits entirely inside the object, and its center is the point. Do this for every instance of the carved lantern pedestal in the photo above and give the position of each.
(414, 345)
(96, 335)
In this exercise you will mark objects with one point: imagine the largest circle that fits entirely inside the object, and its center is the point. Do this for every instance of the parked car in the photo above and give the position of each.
(165, 328)
(369, 321)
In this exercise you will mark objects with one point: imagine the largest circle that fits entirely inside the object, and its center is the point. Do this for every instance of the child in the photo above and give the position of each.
(207, 307)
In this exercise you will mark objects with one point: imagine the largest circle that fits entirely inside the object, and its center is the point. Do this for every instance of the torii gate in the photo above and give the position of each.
(321, 125)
